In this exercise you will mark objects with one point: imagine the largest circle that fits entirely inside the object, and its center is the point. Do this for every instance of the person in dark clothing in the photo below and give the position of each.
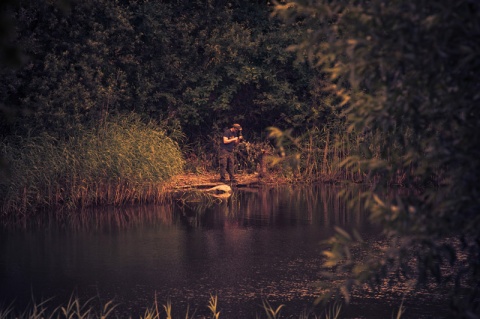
(231, 138)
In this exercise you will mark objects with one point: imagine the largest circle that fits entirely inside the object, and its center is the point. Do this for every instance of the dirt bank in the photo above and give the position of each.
(212, 178)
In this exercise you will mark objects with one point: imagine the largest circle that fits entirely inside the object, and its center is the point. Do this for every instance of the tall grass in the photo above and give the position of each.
(74, 309)
(124, 161)
(324, 152)
(319, 154)
(331, 154)
(77, 309)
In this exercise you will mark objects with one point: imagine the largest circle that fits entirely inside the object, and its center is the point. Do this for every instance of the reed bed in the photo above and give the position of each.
(124, 161)
(326, 150)
(333, 154)
(319, 155)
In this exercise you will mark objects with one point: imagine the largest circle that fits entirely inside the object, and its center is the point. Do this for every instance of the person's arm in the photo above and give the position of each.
(227, 140)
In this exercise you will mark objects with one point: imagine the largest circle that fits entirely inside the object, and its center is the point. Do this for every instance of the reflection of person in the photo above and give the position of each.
(231, 138)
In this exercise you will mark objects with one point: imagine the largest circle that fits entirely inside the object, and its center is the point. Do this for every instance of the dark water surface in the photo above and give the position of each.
(258, 244)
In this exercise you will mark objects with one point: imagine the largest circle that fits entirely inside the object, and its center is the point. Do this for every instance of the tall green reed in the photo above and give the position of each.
(124, 161)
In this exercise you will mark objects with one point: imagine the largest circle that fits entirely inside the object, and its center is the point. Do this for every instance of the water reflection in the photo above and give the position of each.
(276, 207)
(259, 243)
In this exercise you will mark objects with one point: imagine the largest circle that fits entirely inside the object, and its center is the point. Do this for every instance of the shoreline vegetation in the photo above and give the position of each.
(126, 161)
(121, 162)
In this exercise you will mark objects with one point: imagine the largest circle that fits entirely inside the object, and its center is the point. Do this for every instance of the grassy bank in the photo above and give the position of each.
(123, 161)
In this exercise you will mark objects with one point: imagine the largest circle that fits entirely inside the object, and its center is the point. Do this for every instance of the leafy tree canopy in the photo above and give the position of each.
(409, 71)
(197, 66)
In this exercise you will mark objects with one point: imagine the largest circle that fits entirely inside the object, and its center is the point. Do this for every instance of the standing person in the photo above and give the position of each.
(231, 138)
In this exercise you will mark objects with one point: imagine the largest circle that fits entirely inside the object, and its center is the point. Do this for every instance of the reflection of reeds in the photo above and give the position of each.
(302, 204)
(122, 162)
(313, 204)
(96, 218)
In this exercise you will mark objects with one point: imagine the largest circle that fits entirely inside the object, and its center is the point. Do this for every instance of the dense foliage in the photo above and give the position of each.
(196, 66)
(409, 75)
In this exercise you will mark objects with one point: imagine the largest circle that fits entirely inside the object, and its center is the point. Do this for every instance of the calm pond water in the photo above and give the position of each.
(258, 244)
